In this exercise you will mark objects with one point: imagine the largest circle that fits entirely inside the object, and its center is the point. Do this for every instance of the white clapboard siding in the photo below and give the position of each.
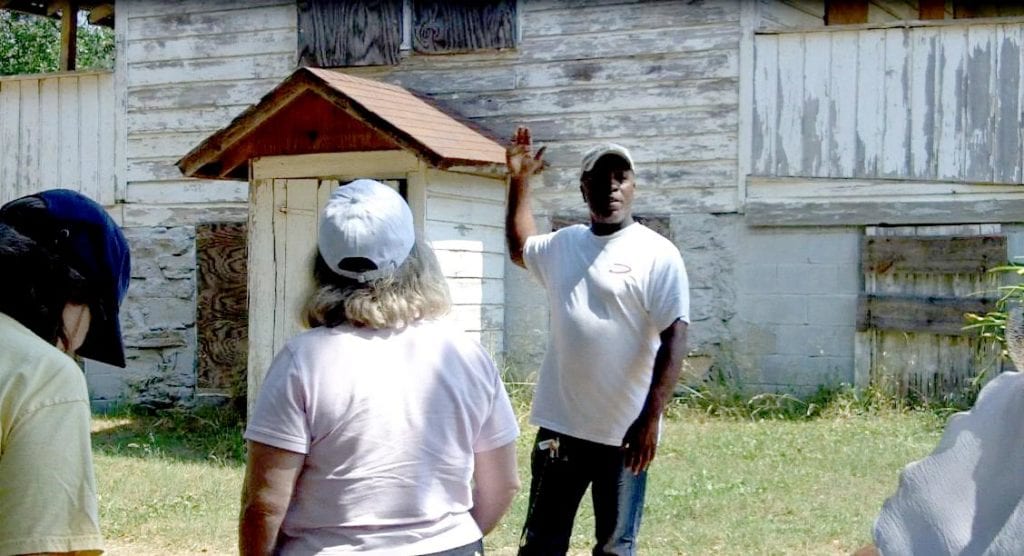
(464, 222)
(190, 67)
(811, 13)
(57, 130)
(661, 78)
(926, 103)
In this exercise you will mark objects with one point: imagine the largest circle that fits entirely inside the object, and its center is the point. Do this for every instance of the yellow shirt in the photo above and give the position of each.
(47, 487)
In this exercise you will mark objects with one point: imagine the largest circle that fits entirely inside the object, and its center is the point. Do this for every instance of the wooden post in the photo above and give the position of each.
(68, 34)
(842, 12)
(931, 9)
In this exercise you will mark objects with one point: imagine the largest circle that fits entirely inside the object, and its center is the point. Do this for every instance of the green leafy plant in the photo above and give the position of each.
(992, 324)
(31, 44)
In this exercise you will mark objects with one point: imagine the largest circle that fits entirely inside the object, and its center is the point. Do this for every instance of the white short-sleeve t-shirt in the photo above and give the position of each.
(610, 297)
(389, 422)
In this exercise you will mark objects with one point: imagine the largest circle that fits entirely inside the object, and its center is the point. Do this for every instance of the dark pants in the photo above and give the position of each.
(471, 549)
(562, 468)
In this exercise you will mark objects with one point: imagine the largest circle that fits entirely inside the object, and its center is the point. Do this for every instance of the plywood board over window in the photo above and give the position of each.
(222, 308)
(350, 33)
(443, 26)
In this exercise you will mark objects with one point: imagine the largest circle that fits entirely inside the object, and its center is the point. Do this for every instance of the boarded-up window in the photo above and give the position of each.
(222, 308)
(444, 26)
(335, 33)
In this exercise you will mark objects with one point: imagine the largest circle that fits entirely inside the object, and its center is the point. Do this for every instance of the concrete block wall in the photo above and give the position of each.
(796, 307)
(157, 322)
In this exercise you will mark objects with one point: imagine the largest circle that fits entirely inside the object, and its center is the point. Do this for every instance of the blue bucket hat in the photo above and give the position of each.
(81, 232)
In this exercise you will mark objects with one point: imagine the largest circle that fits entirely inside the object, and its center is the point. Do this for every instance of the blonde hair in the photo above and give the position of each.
(417, 290)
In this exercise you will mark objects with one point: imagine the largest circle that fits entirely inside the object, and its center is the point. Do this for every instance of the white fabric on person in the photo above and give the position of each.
(389, 421)
(966, 497)
(610, 298)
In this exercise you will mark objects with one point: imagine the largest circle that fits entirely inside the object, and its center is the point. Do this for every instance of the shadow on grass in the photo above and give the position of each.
(208, 435)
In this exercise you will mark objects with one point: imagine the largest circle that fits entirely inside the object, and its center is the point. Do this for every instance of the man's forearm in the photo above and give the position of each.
(519, 223)
(667, 366)
(257, 534)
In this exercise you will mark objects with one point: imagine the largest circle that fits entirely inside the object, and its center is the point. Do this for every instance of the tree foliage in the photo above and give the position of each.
(31, 44)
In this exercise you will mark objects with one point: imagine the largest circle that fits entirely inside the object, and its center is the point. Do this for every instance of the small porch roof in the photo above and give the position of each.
(319, 111)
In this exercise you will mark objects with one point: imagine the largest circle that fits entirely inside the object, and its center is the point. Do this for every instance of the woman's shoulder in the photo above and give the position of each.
(34, 370)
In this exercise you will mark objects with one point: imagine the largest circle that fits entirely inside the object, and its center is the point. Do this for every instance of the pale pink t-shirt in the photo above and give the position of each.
(389, 422)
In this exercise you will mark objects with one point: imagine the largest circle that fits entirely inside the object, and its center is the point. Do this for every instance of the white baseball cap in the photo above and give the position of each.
(590, 157)
(366, 219)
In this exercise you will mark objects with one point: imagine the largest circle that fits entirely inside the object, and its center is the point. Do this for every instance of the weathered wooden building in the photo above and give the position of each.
(779, 153)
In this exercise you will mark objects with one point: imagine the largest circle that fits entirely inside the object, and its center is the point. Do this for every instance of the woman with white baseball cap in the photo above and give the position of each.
(380, 430)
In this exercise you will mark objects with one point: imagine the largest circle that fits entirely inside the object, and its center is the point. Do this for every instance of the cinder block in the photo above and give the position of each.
(835, 310)
(849, 279)
(758, 278)
(807, 278)
(834, 245)
(773, 309)
(775, 246)
(802, 246)
(794, 371)
(814, 340)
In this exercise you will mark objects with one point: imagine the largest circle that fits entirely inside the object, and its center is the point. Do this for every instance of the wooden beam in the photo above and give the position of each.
(931, 9)
(932, 254)
(845, 12)
(892, 212)
(101, 13)
(68, 34)
(965, 9)
(911, 313)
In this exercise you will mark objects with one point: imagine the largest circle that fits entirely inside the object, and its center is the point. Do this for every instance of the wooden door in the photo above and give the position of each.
(918, 283)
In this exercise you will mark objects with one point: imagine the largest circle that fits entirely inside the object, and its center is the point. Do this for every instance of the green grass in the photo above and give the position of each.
(723, 482)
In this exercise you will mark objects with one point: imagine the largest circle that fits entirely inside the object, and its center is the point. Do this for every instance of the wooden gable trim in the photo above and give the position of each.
(201, 162)
(397, 164)
(220, 156)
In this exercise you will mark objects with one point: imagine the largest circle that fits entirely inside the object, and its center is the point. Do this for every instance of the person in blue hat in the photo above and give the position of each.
(66, 269)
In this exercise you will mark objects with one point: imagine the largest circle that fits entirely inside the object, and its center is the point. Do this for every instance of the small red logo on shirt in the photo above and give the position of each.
(619, 268)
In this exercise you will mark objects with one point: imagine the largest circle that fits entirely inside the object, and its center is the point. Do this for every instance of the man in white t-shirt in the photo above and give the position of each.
(619, 306)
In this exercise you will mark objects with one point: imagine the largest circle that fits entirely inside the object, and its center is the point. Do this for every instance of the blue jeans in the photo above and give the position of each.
(562, 468)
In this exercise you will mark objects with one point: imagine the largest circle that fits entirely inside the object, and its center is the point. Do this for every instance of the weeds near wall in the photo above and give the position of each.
(992, 325)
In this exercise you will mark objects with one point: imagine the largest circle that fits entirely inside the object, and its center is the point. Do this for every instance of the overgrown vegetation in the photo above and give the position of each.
(991, 325)
(31, 44)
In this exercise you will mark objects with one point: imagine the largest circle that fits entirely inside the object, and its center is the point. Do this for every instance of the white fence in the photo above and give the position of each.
(57, 130)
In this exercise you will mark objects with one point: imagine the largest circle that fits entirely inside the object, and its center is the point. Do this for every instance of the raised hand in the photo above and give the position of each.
(522, 161)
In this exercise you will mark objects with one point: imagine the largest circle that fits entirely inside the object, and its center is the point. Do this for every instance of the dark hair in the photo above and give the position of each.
(36, 284)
